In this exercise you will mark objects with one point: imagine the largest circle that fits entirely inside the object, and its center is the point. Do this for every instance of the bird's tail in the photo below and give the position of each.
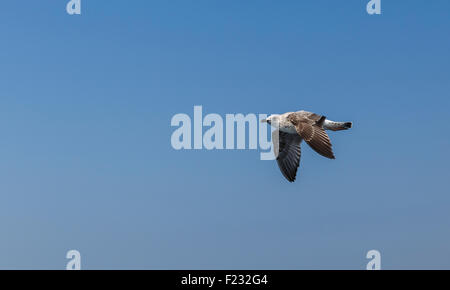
(337, 126)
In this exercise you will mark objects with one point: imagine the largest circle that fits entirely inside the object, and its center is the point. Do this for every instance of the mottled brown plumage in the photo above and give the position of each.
(310, 127)
(295, 127)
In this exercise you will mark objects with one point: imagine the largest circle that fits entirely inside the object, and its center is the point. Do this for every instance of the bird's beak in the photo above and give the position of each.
(264, 121)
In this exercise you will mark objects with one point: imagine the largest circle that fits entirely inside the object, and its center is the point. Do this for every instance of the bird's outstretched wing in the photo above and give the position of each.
(317, 138)
(310, 128)
(287, 151)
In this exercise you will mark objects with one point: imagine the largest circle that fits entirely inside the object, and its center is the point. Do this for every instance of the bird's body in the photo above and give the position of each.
(286, 126)
(292, 128)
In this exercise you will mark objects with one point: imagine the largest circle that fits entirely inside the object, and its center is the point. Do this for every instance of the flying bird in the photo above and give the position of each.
(292, 128)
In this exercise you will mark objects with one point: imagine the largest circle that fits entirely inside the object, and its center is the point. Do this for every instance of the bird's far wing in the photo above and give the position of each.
(287, 151)
(316, 137)
(314, 117)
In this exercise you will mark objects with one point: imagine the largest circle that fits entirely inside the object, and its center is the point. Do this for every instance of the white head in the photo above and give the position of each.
(273, 120)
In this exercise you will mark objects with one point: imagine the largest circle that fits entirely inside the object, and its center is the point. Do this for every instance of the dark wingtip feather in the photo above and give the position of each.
(321, 121)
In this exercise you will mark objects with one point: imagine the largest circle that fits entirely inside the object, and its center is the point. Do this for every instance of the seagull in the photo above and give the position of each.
(292, 128)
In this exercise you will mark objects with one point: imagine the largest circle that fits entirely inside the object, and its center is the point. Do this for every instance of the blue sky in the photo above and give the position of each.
(85, 109)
